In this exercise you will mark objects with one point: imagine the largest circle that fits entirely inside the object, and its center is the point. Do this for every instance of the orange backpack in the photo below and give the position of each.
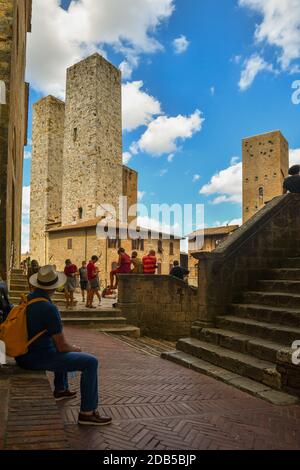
(13, 331)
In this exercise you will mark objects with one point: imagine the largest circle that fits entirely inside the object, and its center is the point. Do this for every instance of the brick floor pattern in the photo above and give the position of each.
(159, 405)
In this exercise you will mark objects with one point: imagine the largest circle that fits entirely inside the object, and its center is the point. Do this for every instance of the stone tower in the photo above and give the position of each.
(92, 164)
(265, 165)
(46, 172)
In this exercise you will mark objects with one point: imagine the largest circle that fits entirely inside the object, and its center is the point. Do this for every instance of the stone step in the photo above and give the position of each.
(17, 272)
(19, 287)
(282, 274)
(290, 262)
(273, 299)
(128, 330)
(280, 285)
(279, 315)
(236, 362)
(90, 313)
(268, 331)
(242, 383)
(90, 322)
(61, 302)
(260, 348)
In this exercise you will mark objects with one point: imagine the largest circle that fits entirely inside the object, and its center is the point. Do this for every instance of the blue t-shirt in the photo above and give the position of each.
(42, 316)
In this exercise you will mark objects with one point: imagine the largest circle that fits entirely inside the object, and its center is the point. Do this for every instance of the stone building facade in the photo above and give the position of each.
(77, 170)
(46, 171)
(265, 165)
(93, 139)
(212, 238)
(15, 22)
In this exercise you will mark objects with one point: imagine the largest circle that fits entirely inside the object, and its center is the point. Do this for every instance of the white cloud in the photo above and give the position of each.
(212, 91)
(126, 157)
(163, 133)
(196, 178)
(60, 38)
(234, 160)
(25, 218)
(138, 107)
(229, 222)
(163, 172)
(141, 195)
(294, 157)
(252, 67)
(180, 44)
(171, 157)
(279, 27)
(227, 184)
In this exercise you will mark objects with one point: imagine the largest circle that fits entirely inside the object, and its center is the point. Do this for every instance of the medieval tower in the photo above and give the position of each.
(93, 139)
(265, 165)
(46, 172)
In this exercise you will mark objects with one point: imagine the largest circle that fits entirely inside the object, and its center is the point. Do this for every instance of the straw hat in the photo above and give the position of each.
(48, 278)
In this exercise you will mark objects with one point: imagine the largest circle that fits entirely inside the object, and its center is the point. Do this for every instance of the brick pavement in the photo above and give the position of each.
(156, 404)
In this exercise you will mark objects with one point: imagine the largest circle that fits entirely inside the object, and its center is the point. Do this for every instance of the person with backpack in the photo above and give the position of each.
(34, 336)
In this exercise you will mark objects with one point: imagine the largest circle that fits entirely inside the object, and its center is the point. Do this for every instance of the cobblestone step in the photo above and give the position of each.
(239, 363)
(268, 331)
(282, 274)
(279, 315)
(91, 322)
(276, 299)
(245, 384)
(260, 348)
(280, 285)
(290, 263)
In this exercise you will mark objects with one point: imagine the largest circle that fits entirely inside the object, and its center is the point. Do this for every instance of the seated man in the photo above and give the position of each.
(52, 352)
(150, 263)
(291, 184)
(178, 271)
(124, 267)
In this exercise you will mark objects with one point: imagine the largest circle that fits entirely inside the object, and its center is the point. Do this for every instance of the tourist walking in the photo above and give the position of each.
(291, 184)
(83, 279)
(71, 271)
(124, 267)
(93, 281)
(150, 263)
(178, 271)
(52, 352)
(136, 263)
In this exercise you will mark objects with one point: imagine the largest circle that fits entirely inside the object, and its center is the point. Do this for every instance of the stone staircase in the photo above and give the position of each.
(248, 343)
(104, 320)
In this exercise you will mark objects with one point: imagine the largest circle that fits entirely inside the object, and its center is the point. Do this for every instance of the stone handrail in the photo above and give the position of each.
(273, 233)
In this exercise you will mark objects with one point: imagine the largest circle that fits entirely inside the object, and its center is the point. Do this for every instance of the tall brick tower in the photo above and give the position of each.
(92, 163)
(265, 165)
(46, 172)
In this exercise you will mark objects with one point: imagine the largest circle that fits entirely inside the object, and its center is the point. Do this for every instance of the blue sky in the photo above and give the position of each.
(229, 68)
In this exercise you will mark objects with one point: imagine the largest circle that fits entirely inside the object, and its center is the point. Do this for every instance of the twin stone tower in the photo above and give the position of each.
(77, 152)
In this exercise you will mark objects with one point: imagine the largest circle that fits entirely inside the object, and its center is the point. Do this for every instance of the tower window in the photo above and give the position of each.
(75, 133)
(171, 249)
(70, 243)
(80, 212)
(261, 192)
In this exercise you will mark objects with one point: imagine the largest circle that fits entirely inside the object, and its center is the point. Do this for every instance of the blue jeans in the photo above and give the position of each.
(61, 364)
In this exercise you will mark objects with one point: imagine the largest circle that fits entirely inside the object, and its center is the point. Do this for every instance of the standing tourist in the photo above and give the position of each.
(150, 262)
(83, 279)
(124, 267)
(32, 269)
(71, 272)
(93, 281)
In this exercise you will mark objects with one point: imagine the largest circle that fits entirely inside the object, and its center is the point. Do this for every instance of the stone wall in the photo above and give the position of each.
(92, 169)
(15, 18)
(46, 172)
(265, 164)
(273, 233)
(162, 306)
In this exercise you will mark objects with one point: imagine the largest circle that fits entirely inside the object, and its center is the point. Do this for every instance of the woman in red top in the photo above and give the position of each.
(70, 271)
(124, 267)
